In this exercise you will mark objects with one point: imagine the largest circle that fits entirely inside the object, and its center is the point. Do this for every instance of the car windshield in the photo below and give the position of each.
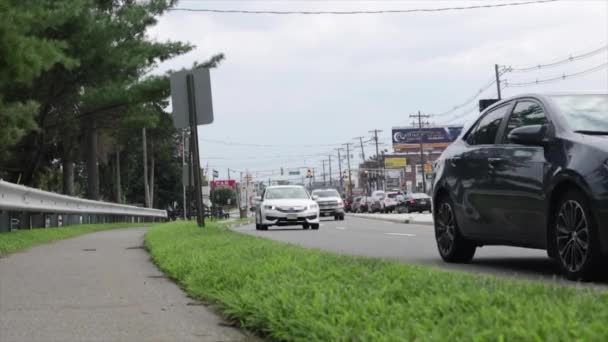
(393, 195)
(584, 113)
(419, 196)
(286, 193)
(326, 193)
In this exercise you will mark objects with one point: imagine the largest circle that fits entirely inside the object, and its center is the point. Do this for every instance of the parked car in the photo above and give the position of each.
(532, 171)
(415, 202)
(348, 202)
(377, 198)
(330, 203)
(391, 201)
(360, 205)
(286, 206)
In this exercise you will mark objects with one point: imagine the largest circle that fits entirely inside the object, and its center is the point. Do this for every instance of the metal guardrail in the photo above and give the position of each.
(37, 208)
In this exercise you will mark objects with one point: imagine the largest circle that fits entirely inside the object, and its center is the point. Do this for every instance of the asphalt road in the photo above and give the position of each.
(413, 244)
(99, 287)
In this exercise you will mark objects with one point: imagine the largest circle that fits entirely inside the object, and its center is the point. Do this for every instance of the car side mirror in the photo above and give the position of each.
(315, 197)
(531, 135)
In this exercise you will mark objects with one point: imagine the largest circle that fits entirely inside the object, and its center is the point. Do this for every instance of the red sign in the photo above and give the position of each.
(218, 184)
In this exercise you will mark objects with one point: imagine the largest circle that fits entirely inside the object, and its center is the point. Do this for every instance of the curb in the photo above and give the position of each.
(406, 221)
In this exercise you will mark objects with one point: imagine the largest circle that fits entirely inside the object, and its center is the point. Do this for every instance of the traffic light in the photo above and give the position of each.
(308, 173)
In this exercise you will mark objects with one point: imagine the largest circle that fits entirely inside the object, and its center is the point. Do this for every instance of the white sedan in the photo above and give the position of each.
(286, 205)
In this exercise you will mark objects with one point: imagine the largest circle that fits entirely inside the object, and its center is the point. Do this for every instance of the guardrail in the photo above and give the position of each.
(24, 207)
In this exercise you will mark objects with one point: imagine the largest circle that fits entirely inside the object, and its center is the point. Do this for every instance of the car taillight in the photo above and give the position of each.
(387, 200)
(412, 201)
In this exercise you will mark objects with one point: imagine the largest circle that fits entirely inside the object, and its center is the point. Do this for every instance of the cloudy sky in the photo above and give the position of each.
(294, 87)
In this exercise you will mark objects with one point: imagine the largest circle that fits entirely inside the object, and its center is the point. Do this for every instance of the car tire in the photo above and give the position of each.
(337, 217)
(314, 226)
(342, 217)
(306, 226)
(572, 226)
(258, 226)
(452, 246)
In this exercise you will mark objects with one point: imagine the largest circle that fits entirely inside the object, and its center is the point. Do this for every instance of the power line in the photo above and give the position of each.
(557, 78)
(232, 143)
(397, 11)
(469, 100)
(557, 63)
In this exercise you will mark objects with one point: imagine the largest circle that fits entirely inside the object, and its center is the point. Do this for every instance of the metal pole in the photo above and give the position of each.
(497, 81)
(200, 219)
(324, 181)
(183, 166)
(340, 169)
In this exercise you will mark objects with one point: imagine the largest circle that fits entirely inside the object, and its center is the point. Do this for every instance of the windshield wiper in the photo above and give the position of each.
(592, 132)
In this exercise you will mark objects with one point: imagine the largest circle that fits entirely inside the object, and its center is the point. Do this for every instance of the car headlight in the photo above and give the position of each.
(269, 207)
(313, 206)
(340, 204)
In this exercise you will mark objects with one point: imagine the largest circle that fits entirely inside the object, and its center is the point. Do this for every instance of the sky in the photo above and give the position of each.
(293, 88)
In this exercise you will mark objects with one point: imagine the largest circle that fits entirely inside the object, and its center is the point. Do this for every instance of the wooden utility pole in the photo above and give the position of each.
(350, 183)
(145, 150)
(420, 137)
(340, 168)
(330, 183)
(376, 131)
(324, 181)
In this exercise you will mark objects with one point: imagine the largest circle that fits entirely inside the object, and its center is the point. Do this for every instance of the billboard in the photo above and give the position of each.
(432, 137)
(391, 162)
(218, 184)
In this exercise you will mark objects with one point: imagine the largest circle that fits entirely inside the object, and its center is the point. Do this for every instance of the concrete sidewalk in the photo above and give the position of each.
(99, 287)
(414, 218)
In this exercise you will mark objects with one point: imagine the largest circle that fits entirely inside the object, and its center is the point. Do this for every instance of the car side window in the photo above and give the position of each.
(486, 129)
(525, 113)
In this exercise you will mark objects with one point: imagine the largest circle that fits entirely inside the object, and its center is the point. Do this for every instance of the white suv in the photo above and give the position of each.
(330, 203)
(286, 205)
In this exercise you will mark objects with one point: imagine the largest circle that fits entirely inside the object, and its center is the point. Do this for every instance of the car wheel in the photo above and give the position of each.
(575, 238)
(306, 226)
(342, 217)
(337, 217)
(258, 226)
(315, 226)
(452, 246)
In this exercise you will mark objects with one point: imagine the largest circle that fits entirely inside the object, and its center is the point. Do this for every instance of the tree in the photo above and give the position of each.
(223, 195)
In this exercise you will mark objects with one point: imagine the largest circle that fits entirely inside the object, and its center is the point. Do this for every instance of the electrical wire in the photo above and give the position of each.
(469, 100)
(556, 78)
(398, 11)
(230, 143)
(557, 63)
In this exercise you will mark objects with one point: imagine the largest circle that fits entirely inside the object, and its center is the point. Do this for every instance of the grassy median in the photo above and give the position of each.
(14, 241)
(289, 293)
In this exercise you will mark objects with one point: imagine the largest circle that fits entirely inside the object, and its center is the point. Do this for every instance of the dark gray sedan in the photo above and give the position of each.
(531, 172)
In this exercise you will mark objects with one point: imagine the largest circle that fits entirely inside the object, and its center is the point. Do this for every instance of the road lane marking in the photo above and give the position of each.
(341, 228)
(400, 234)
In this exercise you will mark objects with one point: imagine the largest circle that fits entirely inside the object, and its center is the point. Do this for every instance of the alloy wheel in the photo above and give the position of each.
(572, 233)
(445, 228)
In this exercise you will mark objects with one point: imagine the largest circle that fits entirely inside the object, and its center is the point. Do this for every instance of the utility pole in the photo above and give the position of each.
(497, 81)
(228, 173)
(362, 150)
(330, 183)
(376, 131)
(350, 183)
(420, 116)
(340, 168)
(324, 181)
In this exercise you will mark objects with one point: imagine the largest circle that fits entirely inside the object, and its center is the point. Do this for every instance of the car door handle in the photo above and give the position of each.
(494, 161)
(455, 160)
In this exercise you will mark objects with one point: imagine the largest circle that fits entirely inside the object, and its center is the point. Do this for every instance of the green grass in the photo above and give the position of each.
(285, 292)
(14, 241)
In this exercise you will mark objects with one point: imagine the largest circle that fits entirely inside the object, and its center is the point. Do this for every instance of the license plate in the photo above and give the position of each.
(292, 216)
(422, 202)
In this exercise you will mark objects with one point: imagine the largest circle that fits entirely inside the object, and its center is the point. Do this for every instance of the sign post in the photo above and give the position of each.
(192, 106)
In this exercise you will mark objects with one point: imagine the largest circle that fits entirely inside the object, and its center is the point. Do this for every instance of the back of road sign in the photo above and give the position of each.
(202, 95)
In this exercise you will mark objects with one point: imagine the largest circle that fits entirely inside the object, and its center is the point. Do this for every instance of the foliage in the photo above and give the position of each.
(290, 293)
(222, 195)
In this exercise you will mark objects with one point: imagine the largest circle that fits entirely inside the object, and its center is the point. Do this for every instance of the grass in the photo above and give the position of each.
(289, 293)
(14, 241)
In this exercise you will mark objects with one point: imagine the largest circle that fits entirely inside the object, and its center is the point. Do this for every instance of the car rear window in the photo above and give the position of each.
(393, 195)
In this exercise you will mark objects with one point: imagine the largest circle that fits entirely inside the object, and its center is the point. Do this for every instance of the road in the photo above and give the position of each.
(99, 287)
(413, 244)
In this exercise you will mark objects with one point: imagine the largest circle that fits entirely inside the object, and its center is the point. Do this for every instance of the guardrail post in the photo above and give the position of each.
(5, 221)
(54, 220)
(25, 221)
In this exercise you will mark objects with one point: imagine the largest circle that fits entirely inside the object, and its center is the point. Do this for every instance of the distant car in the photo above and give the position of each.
(378, 197)
(359, 205)
(532, 171)
(286, 205)
(330, 203)
(415, 202)
(348, 203)
(391, 201)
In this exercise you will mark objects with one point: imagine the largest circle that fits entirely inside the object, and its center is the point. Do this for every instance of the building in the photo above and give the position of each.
(404, 167)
